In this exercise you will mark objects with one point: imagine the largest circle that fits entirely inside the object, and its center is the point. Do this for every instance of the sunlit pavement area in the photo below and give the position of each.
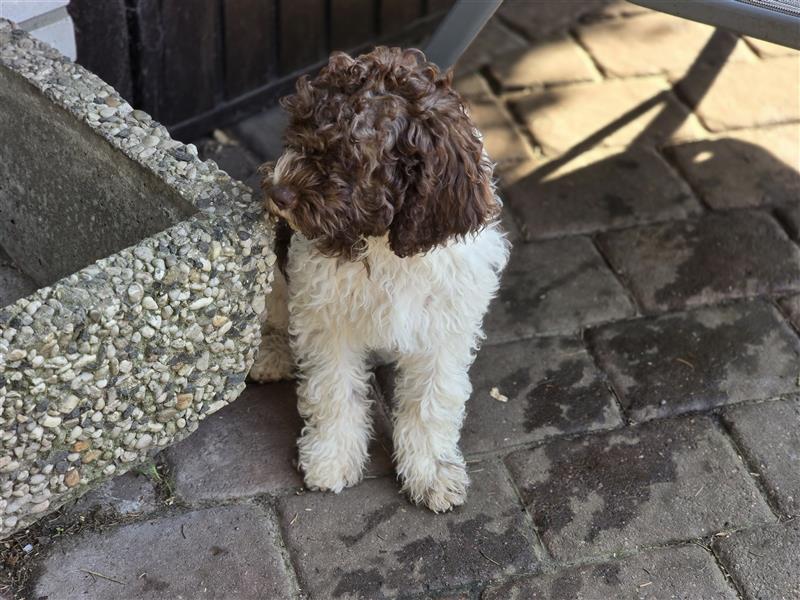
(645, 343)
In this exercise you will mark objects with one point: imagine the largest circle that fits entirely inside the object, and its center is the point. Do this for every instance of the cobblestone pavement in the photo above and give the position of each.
(646, 337)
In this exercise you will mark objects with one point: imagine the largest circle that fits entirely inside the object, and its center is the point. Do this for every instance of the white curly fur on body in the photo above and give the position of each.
(427, 311)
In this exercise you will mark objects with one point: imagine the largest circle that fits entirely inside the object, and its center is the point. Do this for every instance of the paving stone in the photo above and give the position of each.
(700, 359)
(128, 494)
(510, 227)
(659, 482)
(551, 61)
(768, 49)
(790, 216)
(763, 562)
(249, 448)
(505, 145)
(221, 552)
(263, 133)
(689, 263)
(233, 158)
(766, 92)
(558, 117)
(747, 168)
(550, 385)
(599, 190)
(769, 434)
(614, 10)
(383, 545)
(493, 41)
(14, 284)
(686, 572)
(544, 17)
(792, 307)
(472, 85)
(650, 44)
(554, 287)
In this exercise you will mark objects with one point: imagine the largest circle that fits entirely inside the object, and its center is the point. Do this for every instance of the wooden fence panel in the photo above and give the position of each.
(147, 53)
(303, 34)
(437, 6)
(353, 23)
(197, 64)
(396, 16)
(103, 44)
(250, 48)
(192, 58)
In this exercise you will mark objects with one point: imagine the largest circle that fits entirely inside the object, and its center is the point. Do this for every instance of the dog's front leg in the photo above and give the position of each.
(334, 401)
(431, 392)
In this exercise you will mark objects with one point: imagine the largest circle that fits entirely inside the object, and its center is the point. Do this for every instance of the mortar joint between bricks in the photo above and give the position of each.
(493, 83)
(587, 54)
(541, 551)
(588, 342)
(620, 277)
(786, 225)
(526, 134)
(754, 473)
(731, 581)
(785, 315)
(270, 511)
(666, 154)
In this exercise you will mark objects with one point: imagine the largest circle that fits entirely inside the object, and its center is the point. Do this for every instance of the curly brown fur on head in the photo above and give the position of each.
(377, 144)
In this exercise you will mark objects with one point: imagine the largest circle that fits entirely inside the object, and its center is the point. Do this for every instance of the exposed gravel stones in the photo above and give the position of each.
(102, 368)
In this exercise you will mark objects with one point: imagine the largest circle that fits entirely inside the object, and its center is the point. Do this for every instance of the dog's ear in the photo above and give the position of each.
(448, 187)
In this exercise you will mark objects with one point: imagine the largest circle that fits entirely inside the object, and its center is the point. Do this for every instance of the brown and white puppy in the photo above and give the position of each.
(396, 249)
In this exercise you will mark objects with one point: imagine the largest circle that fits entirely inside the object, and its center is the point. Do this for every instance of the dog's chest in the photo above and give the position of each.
(385, 301)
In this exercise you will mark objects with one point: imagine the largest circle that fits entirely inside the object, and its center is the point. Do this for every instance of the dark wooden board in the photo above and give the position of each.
(353, 22)
(192, 58)
(437, 6)
(303, 33)
(146, 54)
(102, 41)
(396, 15)
(250, 44)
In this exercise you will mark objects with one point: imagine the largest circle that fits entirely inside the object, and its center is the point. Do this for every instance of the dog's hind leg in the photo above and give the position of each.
(274, 361)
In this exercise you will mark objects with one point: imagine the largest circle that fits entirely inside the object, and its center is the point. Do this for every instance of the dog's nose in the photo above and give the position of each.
(282, 196)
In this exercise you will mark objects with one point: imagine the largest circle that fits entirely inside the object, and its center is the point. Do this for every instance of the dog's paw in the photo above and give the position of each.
(327, 468)
(445, 490)
(274, 361)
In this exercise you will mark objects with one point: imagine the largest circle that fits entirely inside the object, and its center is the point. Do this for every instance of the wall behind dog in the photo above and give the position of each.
(201, 64)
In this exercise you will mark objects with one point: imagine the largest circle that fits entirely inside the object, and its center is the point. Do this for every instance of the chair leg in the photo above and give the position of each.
(461, 25)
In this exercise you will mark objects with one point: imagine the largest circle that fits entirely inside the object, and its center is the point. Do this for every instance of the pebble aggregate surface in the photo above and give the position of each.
(126, 356)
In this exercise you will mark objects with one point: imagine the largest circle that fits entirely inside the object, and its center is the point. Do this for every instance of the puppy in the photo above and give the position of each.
(396, 248)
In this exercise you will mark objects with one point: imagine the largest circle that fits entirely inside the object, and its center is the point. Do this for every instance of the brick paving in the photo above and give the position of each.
(639, 187)
(763, 562)
(558, 117)
(641, 486)
(742, 169)
(719, 257)
(646, 342)
(697, 360)
(219, 552)
(680, 572)
(624, 51)
(775, 456)
(552, 287)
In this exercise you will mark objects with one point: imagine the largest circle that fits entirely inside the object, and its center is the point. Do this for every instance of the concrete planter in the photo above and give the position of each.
(153, 269)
